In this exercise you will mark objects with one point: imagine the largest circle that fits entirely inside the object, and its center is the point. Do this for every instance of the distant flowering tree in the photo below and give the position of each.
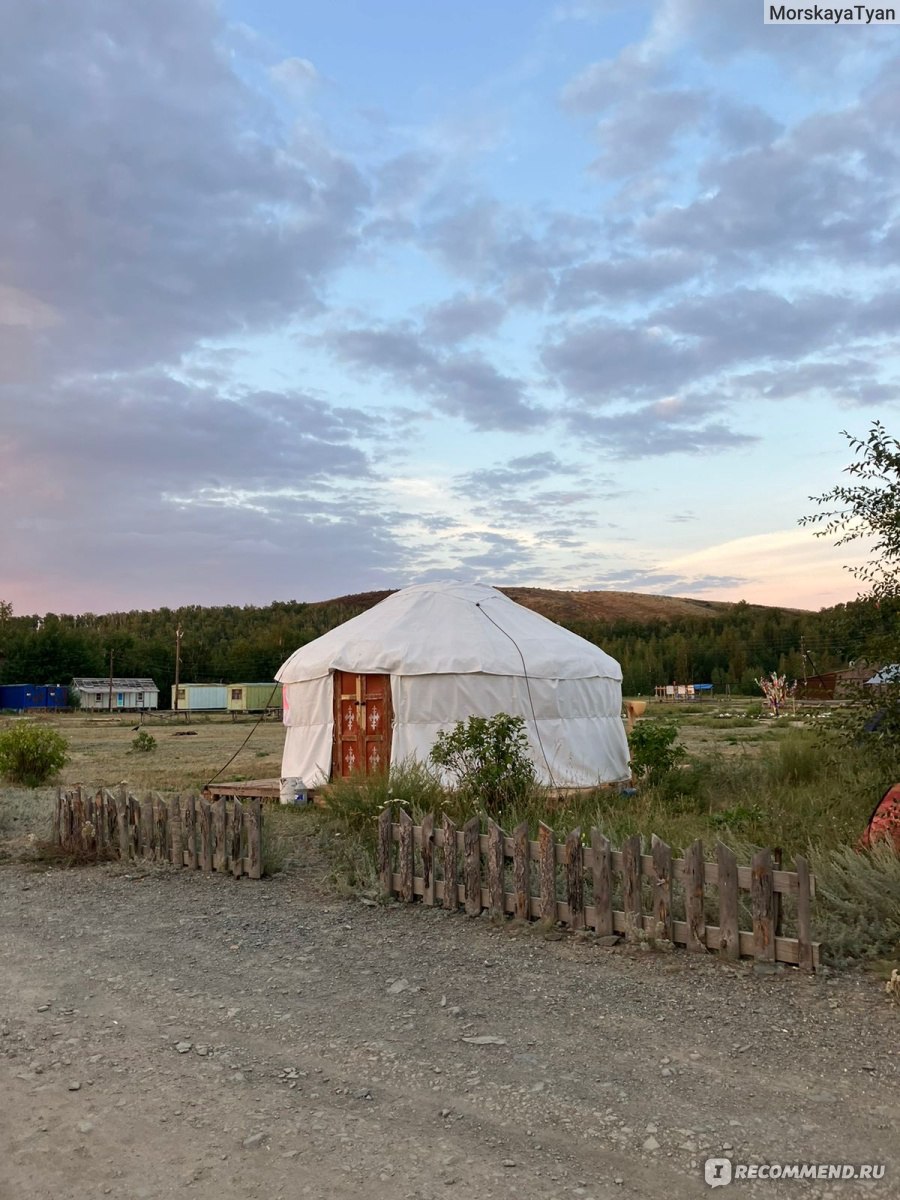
(777, 690)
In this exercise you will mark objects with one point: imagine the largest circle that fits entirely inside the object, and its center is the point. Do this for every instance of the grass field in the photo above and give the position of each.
(187, 754)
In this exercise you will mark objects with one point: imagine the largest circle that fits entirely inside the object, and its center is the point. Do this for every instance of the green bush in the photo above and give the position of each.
(654, 751)
(490, 760)
(30, 754)
(143, 742)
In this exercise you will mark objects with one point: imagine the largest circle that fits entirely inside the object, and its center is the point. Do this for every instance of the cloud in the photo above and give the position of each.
(463, 317)
(812, 192)
(295, 74)
(602, 361)
(466, 386)
(786, 562)
(481, 239)
(627, 278)
(517, 474)
(178, 219)
(644, 129)
(604, 84)
(656, 429)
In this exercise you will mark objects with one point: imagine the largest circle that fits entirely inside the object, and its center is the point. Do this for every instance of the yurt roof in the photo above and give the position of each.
(450, 628)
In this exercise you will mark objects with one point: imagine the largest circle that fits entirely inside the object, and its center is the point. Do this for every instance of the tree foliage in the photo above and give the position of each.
(867, 508)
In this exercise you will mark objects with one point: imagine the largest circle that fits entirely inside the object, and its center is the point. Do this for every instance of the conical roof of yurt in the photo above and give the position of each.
(450, 628)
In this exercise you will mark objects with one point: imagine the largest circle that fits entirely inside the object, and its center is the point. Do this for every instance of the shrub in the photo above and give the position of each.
(490, 759)
(143, 742)
(653, 750)
(30, 754)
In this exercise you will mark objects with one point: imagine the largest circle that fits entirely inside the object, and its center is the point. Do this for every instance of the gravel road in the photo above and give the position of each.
(168, 1034)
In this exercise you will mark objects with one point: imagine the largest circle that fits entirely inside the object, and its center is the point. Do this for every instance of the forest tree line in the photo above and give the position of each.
(242, 644)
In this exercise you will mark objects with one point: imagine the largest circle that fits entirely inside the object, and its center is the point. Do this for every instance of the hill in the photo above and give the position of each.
(564, 607)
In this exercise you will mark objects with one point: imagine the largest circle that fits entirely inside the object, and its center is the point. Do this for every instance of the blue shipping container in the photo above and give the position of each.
(19, 696)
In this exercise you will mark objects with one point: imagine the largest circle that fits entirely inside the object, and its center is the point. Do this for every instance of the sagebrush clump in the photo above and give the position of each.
(30, 754)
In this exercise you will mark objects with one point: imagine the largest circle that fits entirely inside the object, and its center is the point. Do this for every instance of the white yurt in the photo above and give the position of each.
(380, 687)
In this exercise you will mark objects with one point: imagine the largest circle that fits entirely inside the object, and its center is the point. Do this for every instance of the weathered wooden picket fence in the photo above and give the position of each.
(661, 897)
(187, 831)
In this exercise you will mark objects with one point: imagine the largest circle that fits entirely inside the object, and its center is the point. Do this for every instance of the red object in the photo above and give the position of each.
(362, 722)
(884, 823)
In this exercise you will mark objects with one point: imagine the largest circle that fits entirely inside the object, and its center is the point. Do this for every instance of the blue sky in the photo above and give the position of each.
(300, 299)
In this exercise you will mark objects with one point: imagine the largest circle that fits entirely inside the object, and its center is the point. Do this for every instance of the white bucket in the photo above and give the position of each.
(293, 791)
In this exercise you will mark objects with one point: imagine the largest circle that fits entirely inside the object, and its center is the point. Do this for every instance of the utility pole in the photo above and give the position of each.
(179, 634)
(110, 678)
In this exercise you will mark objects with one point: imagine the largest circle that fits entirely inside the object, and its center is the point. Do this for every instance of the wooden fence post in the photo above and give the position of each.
(496, 862)
(762, 898)
(148, 827)
(451, 885)
(176, 833)
(547, 869)
(631, 885)
(729, 936)
(522, 872)
(112, 823)
(254, 837)
(428, 859)
(237, 839)
(602, 876)
(805, 959)
(190, 831)
(220, 850)
(122, 824)
(385, 850)
(78, 819)
(134, 826)
(472, 854)
(694, 877)
(205, 823)
(662, 887)
(162, 830)
(89, 841)
(407, 860)
(575, 879)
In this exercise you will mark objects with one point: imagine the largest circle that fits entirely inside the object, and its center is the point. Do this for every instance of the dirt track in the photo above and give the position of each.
(327, 1056)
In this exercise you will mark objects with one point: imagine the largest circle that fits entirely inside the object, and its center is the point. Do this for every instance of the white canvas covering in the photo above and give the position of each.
(455, 650)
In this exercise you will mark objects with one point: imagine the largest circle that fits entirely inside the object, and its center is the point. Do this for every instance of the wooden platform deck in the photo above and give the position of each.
(266, 789)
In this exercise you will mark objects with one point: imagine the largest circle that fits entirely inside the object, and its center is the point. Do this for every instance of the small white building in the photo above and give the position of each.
(116, 695)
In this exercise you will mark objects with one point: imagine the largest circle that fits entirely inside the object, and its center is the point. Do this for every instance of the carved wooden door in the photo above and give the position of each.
(362, 724)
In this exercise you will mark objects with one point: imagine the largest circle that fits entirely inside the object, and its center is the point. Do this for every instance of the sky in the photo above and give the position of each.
(303, 299)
